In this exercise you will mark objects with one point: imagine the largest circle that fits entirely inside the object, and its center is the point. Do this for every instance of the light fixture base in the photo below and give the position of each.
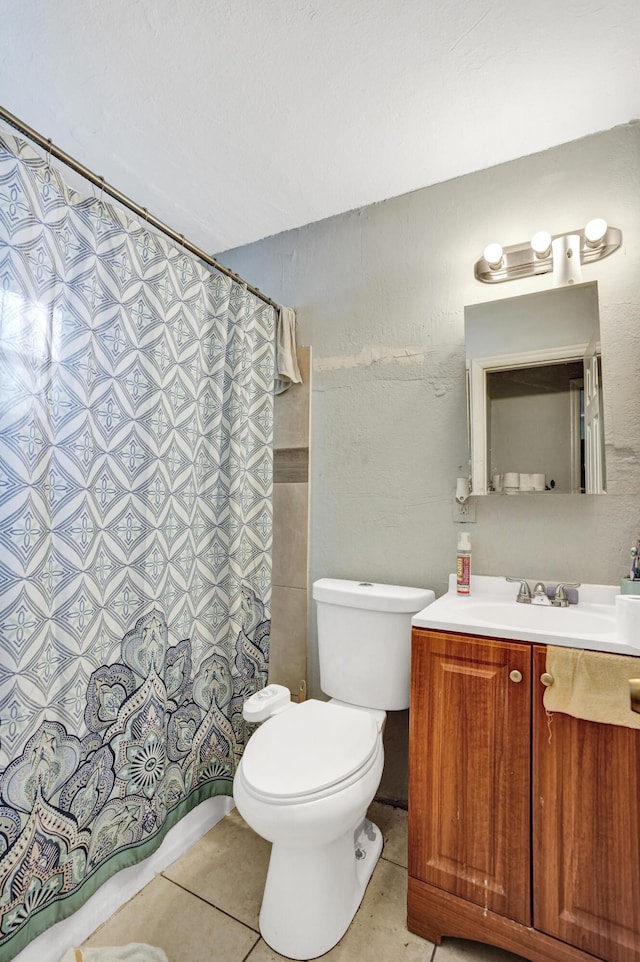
(520, 260)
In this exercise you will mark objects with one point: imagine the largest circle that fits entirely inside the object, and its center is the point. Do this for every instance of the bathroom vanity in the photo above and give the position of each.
(524, 827)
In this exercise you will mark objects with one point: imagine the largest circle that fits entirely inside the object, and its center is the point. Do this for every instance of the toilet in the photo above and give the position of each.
(311, 770)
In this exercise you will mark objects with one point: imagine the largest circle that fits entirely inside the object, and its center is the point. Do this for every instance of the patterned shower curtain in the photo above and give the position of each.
(135, 533)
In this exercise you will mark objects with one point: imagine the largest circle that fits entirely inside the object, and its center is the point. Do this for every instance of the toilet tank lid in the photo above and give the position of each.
(375, 597)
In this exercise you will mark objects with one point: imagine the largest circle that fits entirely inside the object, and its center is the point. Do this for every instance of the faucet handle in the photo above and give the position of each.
(560, 598)
(524, 594)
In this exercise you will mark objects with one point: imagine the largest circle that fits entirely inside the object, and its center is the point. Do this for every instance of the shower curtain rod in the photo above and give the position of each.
(100, 182)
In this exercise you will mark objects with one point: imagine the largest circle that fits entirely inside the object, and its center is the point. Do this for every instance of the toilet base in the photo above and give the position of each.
(312, 894)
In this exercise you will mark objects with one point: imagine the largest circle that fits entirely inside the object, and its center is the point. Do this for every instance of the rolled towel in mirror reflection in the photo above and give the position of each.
(511, 482)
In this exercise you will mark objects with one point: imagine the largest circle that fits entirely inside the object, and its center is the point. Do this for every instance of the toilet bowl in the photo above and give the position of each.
(311, 770)
(305, 782)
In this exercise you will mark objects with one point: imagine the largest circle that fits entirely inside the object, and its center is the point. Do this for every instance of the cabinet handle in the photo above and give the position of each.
(515, 675)
(546, 679)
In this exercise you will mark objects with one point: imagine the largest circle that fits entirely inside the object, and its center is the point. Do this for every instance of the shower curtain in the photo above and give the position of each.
(135, 533)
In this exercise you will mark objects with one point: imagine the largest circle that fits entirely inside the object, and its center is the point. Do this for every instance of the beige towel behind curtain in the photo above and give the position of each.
(591, 685)
(287, 370)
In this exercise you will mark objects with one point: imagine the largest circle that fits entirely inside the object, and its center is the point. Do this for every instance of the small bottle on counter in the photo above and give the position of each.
(463, 566)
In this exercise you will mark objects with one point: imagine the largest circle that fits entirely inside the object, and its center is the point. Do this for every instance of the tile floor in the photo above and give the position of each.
(204, 907)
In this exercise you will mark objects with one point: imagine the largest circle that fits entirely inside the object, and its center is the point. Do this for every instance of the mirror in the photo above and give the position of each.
(534, 389)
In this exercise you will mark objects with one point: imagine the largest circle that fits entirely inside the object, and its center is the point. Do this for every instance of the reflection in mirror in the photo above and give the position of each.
(535, 393)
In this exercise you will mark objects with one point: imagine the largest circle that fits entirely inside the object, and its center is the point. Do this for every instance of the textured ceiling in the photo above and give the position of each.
(235, 119)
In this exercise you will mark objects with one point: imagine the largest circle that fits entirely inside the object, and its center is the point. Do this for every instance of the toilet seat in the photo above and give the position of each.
(308, 750)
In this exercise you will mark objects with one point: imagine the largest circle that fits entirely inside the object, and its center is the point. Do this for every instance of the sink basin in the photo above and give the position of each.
(491, 610)
(573, 620)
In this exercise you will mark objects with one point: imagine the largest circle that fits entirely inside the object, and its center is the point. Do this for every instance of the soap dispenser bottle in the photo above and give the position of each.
(463, 566)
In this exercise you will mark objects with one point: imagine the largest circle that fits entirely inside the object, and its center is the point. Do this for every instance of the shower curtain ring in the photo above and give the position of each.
(100, 199)
(48, 165)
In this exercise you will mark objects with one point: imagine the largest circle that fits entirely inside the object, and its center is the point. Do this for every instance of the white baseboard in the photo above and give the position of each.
(52, 944)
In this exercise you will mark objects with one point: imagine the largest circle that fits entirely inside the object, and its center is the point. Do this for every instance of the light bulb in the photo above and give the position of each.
(541, 243)
(595, 230)
(493, 255)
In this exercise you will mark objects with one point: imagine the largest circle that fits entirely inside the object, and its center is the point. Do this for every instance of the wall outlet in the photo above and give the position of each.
(464, 512)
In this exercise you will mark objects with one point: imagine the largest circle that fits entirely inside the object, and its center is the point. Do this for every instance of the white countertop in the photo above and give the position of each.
(490, 609)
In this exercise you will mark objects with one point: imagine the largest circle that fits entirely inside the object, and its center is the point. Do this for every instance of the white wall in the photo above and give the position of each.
(380, 295)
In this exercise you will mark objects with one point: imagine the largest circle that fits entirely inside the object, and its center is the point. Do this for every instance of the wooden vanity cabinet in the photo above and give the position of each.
(524, 830)
(469, 771)
(586, 831)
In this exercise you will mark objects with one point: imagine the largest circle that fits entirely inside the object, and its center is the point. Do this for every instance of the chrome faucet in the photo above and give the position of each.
(540, 595)
(524, 594)
(560, 599)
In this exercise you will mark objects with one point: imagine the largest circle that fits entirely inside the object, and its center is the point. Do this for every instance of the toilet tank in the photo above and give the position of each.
(364, 640)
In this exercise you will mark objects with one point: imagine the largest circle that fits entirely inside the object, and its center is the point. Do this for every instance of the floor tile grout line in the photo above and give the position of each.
(211, 904)
(385, 858)
(251, 949)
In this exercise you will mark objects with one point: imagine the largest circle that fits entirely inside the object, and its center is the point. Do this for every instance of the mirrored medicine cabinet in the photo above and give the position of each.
(534, 390)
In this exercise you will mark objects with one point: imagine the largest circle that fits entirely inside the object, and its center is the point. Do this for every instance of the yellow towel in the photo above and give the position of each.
(592, 685)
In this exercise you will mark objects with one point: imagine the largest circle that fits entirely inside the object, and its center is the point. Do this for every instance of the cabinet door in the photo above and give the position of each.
(586, 831)
(469, 764)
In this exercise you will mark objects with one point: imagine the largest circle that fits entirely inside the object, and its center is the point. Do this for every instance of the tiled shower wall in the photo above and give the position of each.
(289, 600)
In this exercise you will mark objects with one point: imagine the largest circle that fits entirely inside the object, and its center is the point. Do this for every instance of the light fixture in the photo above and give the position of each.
(580, 247)
(595, 231)
(541, 243)
(565, 254)
(493, 256)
